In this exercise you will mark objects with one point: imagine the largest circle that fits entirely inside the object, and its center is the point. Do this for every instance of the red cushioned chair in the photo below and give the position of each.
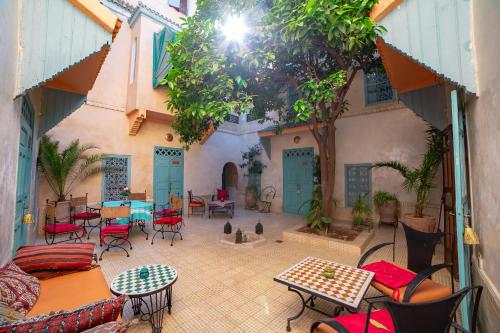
(417, 274)
(429, 317)
(115, 235)
(196, 204)
(54, 228)
(168, 222)
(80, 211)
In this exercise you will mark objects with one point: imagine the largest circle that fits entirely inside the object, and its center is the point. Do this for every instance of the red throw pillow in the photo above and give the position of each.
(57, 256)
(390, 275)
(222, 194)
(18, 290)
(75, 321)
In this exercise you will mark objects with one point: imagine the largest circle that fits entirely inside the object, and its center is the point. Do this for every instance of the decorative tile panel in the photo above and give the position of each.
(116, 178)
(378, 89)
(358, 182)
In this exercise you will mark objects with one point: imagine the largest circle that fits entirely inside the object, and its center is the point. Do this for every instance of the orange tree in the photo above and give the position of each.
(315, 47)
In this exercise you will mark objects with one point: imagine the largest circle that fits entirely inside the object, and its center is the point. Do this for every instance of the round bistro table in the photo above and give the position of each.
(149, 296)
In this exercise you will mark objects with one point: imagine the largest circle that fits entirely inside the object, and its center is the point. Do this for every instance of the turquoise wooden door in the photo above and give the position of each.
(23, 173)
(462, 209)
(297, 179)
(168, 173)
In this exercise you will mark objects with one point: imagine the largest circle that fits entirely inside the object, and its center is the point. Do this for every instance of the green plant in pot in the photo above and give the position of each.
(420, 180)
(254, 168)
(64, 169)
(387, 205)
(360, 211)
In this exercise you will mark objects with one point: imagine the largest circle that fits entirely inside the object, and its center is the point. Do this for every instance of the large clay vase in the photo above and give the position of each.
(251, 197)
(424, 224)
(388, 212)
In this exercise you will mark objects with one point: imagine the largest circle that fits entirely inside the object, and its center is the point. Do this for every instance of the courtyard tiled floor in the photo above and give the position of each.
(223, 289)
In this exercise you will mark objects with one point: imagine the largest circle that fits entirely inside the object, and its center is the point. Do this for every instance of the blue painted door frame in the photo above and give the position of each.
(168, 173)
(23, 172)
(297, 179)
(458, 123)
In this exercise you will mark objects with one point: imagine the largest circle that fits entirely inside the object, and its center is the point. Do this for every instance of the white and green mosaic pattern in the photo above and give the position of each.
(129, 282)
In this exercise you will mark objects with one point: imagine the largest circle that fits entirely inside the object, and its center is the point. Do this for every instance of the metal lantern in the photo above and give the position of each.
(239, 236)
(228, 229)
(259, 229)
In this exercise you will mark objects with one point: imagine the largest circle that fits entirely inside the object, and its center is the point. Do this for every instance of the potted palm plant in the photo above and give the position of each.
(254, 168)
(420, 180)
(387, 206)
(64, 169)
(360, 211)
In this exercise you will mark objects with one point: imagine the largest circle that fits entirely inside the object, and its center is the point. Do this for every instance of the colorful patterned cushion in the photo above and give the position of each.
(222, 194)
(55, 257)
(85, 216)
(60, 228)
(169, 220)
(8, 314)
(74, 321)
(18, 289)
(113, 327)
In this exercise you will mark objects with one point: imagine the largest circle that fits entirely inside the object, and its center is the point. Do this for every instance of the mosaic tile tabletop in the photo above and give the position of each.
(348, 286)
(130, 283)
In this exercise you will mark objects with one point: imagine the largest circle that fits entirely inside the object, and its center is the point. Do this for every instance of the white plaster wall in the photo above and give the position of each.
(484, 146)
(9, 126)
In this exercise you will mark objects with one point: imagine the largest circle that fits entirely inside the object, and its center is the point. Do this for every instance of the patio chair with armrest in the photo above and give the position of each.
(196, 204)
(138, 196)
(173, 207)
(53, 227)
(418, 272)
(115, 235)
(267, 196)
(80, 211)
(168, 223)
(429, 317)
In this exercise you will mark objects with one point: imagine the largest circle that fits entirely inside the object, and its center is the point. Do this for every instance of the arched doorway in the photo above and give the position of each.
(230, 179)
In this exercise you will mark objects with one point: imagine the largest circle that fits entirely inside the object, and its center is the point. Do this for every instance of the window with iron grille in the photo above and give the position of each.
(233, 118)
(116, 176)
(378, 89)
(358, 182)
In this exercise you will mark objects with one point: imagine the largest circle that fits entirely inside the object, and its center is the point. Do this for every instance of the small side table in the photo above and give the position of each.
(149, 296)
(218, 206)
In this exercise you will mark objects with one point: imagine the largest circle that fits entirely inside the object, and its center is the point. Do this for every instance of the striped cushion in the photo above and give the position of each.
(55, 257)
(74, 321)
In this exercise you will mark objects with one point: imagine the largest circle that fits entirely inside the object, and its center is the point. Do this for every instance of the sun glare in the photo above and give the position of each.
(235, 28)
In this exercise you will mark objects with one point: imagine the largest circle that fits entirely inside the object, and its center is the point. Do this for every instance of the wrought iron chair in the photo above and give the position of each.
(53, 228)
(80, 211)
(267, 196)
(115, 235)
(196, 204)
(138, 196)
(169, 223)
(429, 317)
(420, 247)
(172, 208)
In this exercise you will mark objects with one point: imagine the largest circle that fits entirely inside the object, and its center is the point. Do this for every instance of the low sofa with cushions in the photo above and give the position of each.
(74, 287)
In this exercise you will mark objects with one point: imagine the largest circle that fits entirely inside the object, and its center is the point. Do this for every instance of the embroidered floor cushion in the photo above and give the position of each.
(74, 321)
(8, 314)
(55, 257)
(18, 290)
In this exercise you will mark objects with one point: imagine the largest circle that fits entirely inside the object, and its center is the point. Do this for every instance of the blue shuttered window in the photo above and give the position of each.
(378, 89)
(116, 178)
(161, 64)
(358, 182)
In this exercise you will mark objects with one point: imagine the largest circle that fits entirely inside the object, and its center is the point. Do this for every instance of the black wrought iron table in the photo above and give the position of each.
(149, 296)
(218, 206)
(346, 289)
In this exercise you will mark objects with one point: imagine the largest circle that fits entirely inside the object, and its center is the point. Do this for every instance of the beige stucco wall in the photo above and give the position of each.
(379, 136)
(484, 144)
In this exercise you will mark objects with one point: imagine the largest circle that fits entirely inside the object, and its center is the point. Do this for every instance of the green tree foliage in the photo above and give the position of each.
(315, 47)
(64, 169)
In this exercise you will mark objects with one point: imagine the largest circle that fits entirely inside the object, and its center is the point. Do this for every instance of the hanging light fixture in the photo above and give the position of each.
(470, 236)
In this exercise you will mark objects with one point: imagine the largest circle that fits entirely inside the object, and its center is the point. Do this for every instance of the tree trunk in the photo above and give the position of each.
(327, 167)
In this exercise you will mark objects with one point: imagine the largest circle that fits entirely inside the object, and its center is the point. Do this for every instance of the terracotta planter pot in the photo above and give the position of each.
(388, 212)
(424, 224)
(251, 198)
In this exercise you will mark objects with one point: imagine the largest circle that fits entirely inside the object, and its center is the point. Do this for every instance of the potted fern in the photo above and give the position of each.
(360, 211)
(420, 180)
(64, 169)
(387, 206)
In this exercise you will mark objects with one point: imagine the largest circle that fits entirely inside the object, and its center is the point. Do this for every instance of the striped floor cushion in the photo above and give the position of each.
(55, 257)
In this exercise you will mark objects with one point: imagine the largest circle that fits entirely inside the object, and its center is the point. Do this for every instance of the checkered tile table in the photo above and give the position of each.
(129, 282)
(347, 288)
